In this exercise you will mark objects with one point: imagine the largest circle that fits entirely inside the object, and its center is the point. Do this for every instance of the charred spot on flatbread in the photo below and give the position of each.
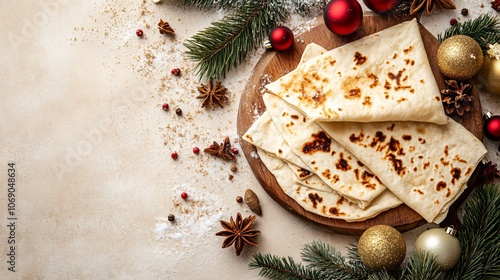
(378, 138)
(359, 58)
(455, 174)
(440, 186)
(342, 164)
(356, 139)
(315, 199)
(408, 50)
(320, 143)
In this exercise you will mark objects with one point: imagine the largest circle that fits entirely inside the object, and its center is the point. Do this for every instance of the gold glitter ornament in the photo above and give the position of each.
(382, 247)
(442, 243)
(489, 76)
(459, 57)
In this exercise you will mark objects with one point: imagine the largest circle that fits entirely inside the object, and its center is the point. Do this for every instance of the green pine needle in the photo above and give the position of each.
(421, 266)
(209, 4)
(278, 268)
(329, 262)
(480, 237)
(485, 29)
(225, 44)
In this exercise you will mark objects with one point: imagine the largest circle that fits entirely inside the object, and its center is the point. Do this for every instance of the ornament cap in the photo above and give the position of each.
(487, 114)
(267, 44)
(451, 230)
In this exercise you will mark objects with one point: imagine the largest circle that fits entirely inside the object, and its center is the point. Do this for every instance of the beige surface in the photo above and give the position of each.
(80, 99)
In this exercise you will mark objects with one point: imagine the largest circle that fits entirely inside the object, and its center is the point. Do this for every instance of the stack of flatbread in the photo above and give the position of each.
(361, 129)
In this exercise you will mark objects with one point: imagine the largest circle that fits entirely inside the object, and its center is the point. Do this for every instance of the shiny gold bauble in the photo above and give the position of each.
(459, 57)
(489, 76)
(382, 247)
(442, 244)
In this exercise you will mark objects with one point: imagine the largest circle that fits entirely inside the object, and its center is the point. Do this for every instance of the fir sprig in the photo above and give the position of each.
(479, 238)
(225, 44)
(278, 268)
(485, 29)
(209, 4)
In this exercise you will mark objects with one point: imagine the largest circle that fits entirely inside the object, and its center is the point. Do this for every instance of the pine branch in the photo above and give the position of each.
(277, 268)
(225, 44)
(217, 4)
(330, 263)
(421, 266)
(480, 237)
(485, 29)
(305, 8)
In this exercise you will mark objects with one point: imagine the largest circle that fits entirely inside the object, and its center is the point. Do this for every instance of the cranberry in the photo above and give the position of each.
(176, 71)
(139, 32)
(453, 21)
(174, 155)
(234, 150)
(184, 195)
(196, 150)
(164, 107)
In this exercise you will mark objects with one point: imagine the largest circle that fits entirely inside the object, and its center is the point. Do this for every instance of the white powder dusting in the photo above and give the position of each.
(195, 216)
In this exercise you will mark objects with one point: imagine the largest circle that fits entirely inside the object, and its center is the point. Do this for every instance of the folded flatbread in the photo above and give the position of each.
(385, 76)
(324, 203)
(426, 165)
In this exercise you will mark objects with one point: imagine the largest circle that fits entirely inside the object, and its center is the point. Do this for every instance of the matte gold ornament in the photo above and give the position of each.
(442, 243)
(489, 76)
(381, 247)
(459, 57)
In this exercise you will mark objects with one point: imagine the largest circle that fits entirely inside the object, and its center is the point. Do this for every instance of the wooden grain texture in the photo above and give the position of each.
(273, 65)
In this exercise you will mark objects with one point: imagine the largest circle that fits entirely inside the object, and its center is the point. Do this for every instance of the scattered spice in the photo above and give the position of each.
(429, 5)
(239, 199)
(174, 155)
(171, 217)
(456, 97)
(230, 176)
(196, 150)
(238, 232)
(212, 95)
(165, 28)
(235, 151)
(184, 195)
(453, 21)
(464, 12)
(178, 111)
(233, 167)
(252, 200)
(223, 150)
(139, 32)
(164, 107)
(176, 72)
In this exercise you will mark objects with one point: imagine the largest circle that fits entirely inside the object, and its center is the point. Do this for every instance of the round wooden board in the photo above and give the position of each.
(273, 65)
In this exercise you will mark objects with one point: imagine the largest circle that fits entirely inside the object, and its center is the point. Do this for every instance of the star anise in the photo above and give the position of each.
(429, 5)
(223, 150)
(490, 172)
(495, 5)
(456, 97)
(165, 27)
(212, 95)
(238, 232)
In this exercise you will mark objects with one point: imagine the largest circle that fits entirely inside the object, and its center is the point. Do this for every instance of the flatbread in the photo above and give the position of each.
(328, 204)
(381, 77)
(426, 165)
(335, 165)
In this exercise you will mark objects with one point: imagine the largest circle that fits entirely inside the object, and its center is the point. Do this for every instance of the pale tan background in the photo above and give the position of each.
(80, 111)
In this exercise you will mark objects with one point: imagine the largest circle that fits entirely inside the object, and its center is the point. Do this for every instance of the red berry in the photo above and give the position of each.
(234, 150)
(176, 71)
(174, 155)
(453, 21)
(139, 32)
(164, 107)
(196, 150)
(184, 195)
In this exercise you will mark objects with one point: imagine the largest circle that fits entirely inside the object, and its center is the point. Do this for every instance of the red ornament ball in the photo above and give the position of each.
(281, 38)
(492, 127)
(381, 6)
(343, 17)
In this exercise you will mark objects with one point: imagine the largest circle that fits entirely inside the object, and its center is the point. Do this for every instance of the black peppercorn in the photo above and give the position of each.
(239, 199)
(171, 217)
(464, 12)
(178, 111)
